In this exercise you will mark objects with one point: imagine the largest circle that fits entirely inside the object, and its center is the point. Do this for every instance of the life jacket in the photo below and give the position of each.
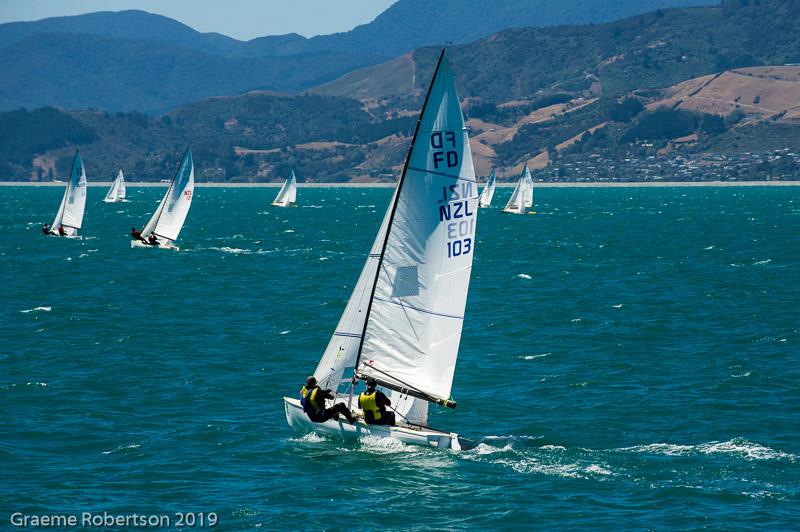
(308, 400)
(369, 404)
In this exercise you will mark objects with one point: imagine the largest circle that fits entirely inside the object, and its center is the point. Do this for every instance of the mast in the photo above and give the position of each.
(394, 209)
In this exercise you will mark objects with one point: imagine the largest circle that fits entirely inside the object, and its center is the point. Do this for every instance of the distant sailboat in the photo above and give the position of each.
(488, 192)
(166, 223)
(117, 191)
(288, 194)
(70, 213)
(402, 324)
(522, 196)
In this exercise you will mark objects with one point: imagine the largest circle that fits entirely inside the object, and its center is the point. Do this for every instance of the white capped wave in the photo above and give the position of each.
(483, 448)
(379, 445)
(235, 251)
(123, 448)
(736, 446)
(533, 357)
(37, 309)
(524, 276)
(311, 437)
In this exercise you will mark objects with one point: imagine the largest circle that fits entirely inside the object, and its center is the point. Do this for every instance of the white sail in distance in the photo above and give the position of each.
(485, 199)
(287, 195)
(522, 196)
(168, 219)
(416, 313)
(73, 204)
(117, 191)
(528, 195)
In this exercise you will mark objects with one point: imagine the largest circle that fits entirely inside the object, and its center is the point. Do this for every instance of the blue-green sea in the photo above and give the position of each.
(629, 360)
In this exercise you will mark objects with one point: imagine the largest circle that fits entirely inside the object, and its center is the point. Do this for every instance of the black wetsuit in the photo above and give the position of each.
(321, 414)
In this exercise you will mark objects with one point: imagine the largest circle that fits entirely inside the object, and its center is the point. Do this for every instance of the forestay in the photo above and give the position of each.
(73, 204)
(288, 193)
(488, 192)
(168, 219)
(414, 323)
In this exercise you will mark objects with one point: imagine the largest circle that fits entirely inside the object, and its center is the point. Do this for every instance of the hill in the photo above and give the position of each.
(658, 95)
(652, 50)
(133, 60)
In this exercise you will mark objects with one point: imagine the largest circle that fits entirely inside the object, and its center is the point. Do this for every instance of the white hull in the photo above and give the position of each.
(116, 201)
(284, 204)
(71, 237)
(425, 437)
(140, 244)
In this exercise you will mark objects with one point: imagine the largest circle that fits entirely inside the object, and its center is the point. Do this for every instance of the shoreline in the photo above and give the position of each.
(536, 184)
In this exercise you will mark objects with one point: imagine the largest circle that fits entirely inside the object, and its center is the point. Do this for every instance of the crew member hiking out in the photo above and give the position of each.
(374, 402)
(312, 398)
(137, 235)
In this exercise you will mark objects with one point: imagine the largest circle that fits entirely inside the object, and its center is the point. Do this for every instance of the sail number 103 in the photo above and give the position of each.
(455, 209)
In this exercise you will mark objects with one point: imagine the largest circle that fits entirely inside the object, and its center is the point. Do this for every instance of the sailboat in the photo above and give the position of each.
(166, 223)
(402, 325)
(117, 191)
(485, 199)
(522, 196)
(288, 193)
(70, 213)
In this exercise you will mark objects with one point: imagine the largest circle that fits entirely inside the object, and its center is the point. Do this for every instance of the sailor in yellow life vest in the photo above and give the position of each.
(374, 403)
(312, 398)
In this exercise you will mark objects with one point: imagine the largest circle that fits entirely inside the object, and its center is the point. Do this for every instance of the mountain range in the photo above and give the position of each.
(679, 82)
(137, 61)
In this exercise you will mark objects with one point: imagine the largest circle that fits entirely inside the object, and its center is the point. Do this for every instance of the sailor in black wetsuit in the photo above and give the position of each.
(312, 397)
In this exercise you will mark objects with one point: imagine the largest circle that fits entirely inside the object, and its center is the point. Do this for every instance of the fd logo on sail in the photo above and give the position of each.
(444, 140)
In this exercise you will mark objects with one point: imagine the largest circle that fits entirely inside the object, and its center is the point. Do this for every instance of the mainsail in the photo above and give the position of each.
(485, 199)
(168, 219)
(416, 312)
(117, 190)
(70, 212)
(288, 193)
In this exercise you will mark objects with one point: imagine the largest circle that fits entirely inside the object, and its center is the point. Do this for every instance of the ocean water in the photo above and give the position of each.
(629, 360)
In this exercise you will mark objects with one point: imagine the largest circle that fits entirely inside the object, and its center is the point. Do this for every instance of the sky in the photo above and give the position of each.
(241, 19)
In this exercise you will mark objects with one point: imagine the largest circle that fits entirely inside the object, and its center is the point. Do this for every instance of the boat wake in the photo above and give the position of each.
(737, 446)
(737, 467)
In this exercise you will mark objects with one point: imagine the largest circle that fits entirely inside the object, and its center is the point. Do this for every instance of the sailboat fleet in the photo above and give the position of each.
(401, 327)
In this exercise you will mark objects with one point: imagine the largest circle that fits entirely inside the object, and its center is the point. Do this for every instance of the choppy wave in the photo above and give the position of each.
(123, 448)
(37, 309)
